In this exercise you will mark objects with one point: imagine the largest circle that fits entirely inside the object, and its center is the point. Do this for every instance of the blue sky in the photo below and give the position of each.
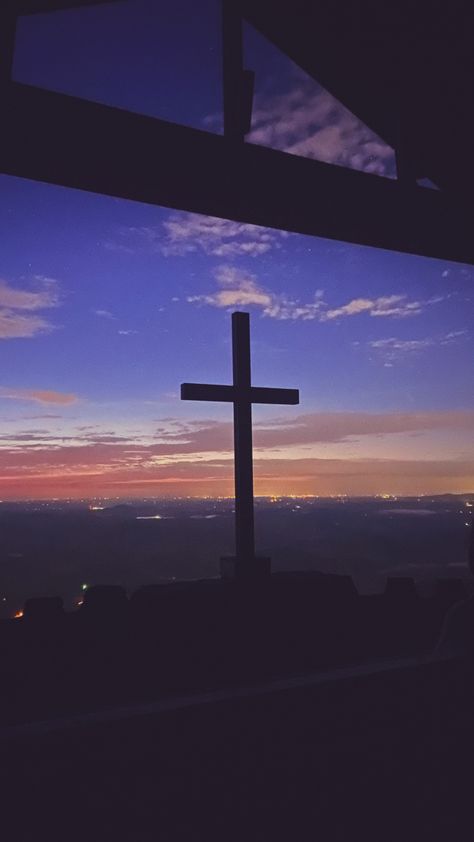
(107, 306)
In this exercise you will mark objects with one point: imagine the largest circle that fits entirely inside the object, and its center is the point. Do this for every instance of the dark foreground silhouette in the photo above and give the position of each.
(212, 710)
(192, 636)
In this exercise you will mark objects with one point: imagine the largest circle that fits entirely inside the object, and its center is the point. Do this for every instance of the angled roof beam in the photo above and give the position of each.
(62, 140)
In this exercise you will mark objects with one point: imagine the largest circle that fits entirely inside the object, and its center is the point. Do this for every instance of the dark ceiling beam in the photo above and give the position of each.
(31, 7)
(71, 142)
(406, 70)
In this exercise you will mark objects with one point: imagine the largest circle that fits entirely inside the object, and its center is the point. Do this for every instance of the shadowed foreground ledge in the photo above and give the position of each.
(206, 710)
(371, 755)
(187, 637)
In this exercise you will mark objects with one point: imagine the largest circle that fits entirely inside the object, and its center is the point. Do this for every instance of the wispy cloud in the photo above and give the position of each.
(393, 348)
(389, 305)
(104, 314)
(19, 306)
(307, 120)
(44, 396)
(339, 426)
(174, 440)
(290, 456)
(48, 415)
(453, 336)
(308, 429)
(393, 345)
(16, 326)
(240, 288)
(189, 233)
(193, 232)
(37, 299)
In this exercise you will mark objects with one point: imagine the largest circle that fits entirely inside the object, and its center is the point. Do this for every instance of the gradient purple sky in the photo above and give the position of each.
(107, 306)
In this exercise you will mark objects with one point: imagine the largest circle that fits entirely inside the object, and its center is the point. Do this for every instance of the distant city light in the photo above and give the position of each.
(149, 517)
(18, 615)
(84, 587)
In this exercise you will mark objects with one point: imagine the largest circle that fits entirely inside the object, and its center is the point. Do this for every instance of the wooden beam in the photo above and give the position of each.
(62, 140)
(237, 83)
(7, 43)
(232, 72)
(31, 7)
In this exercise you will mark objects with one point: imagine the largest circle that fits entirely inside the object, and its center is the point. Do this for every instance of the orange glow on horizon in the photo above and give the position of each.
(351, 481)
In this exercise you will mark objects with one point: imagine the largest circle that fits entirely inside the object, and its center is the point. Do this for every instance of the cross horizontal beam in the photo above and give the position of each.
(106, 150)
(256, 394)
(263, 394)
(203, 392)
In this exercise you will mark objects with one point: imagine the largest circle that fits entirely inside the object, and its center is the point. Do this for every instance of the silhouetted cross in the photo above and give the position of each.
(242, 394)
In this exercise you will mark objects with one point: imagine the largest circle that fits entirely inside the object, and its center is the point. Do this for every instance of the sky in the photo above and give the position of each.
(106, 306)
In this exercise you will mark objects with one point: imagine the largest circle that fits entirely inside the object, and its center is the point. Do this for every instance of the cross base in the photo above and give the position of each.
(258, 567)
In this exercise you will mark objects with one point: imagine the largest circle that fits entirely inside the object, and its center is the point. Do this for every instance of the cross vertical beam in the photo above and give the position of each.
(243, 468)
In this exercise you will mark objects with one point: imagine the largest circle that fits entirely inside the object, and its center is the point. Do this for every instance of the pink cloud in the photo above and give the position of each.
(20, 299)
(18, 319)
(200, 455)
(17, 326)
(44, 396)
(238, 289)
(307, 120)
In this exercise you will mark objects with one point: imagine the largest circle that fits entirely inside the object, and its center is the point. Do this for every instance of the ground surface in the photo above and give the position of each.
(381, 757)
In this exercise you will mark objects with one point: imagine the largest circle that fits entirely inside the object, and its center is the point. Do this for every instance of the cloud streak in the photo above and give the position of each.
(393, 348)
(104, 314)
(240, 288)
(311, 428)
(307, 120)
(388, 305)
(43, 396)
(196, 457)
(18, 308)
(174, 438)
(190, 233)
